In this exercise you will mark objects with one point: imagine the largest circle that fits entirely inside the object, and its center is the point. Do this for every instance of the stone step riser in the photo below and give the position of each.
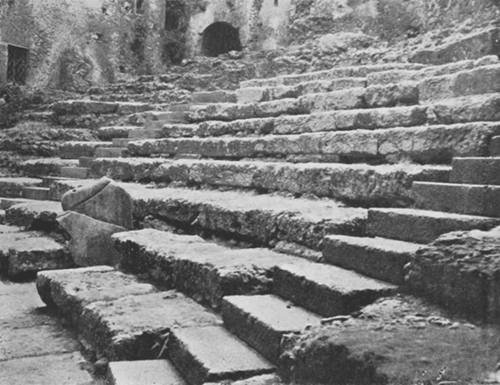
(262, 321)
(476, 171)
(189, 352)
(14, 187)
(36, 193)
(354, 98)
(143, 372)
(24, 254)
(429, 144)
(110, 152)
(458, 198)
(75, 150)
(495, 146)
(213, 97)
(358, 71)
(472, 82)
(74, 172)
(265, 94)
(397, 76)
(421, 226)
(367, 185)
(462, 110)
(374, 257)
(327, 290)
(181, 270)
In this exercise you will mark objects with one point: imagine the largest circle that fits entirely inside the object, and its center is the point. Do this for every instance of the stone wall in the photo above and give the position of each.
(78, 43)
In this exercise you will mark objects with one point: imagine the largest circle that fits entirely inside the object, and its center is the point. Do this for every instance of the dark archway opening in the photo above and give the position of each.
(17, 64)
(219, 38)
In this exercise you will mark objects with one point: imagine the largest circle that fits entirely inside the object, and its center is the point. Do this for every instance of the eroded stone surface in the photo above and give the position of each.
(460, 270)
(137, 326)
(204, 270)
(70, 290)
(397, 340)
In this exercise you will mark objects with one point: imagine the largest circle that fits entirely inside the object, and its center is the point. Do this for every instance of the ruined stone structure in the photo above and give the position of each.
(321, 207)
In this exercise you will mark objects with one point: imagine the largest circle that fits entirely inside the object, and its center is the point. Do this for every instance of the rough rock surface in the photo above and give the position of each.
(461, 271)
(397, 340)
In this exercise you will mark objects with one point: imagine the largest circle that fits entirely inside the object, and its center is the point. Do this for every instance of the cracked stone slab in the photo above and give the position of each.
(137, 326)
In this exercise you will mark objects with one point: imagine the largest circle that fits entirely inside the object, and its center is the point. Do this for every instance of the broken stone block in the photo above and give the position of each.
(90, 239)
(103, 200)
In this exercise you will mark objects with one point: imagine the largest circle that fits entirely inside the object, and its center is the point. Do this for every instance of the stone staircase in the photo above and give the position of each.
(312, 194)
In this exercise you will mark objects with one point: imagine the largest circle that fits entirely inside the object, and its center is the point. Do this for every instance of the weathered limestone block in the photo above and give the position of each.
(90, 239)
(461, 271)
(104, 201)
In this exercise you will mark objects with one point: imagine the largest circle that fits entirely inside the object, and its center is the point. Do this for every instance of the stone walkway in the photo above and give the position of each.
(35, 349)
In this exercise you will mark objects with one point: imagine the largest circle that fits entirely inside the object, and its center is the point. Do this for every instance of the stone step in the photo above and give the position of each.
(262, 320)
(70, 290)
(84, 161)
(347, 99)
(260, 218)
(338, 72)
(481, 80)
(204, 97)
(119, 317)
(399, 75)
(36, 193)
(266, 93)
(14, 187)
(203, 270)
(75, 150)
(161, 130)
(23, 254)
(108, 133)
(6, 203)
(495, 146)
(211, 353)
(48, 180)
(421, 226)
(378, 258)
(75, 172)
(146, 372)
(81, 107)
(473, 45)
(110, 152)
(33, 214)
(360, 183)
(46, 166)
(326, 289)
(158, 116)
(473, 199)
(122, 142)
(476, 170)
(457, 110)
(422, 144)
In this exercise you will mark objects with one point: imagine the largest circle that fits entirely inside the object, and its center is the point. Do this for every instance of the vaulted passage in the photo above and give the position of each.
(17, 65)
(219, 38)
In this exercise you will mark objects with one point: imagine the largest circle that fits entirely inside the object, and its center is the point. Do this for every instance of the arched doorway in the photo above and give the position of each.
(219, 38)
